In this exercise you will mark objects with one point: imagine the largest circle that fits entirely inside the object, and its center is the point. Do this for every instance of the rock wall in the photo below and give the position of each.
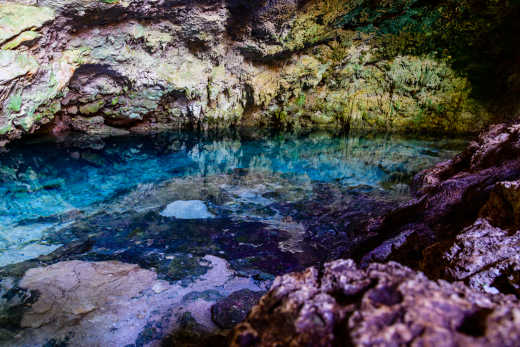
(113, 66)
(463, 223)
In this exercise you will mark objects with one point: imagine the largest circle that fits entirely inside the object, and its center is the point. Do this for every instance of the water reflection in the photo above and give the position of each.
(52, 194)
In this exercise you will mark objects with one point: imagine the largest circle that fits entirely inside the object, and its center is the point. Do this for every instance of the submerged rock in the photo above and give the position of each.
(380, 305)
(191, 209)
(110, 304)
(228, 312)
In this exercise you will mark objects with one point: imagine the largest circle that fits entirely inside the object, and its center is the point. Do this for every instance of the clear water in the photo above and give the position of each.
(278, 201)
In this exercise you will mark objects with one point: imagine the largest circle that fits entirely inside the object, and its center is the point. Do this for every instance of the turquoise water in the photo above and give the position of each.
(252, 183)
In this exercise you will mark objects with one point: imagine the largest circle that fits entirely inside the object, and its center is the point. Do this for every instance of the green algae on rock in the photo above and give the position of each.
(16, 19)
(212, 65)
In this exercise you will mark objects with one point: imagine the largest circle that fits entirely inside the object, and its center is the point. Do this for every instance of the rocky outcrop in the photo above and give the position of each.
(485, 254)
(390, 304)
(111, 66)
(464, 218)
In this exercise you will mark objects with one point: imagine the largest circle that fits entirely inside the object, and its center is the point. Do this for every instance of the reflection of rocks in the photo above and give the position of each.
(115, 304)
(381, 305)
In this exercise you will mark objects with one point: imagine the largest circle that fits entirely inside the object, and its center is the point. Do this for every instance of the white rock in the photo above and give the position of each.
(187, 209)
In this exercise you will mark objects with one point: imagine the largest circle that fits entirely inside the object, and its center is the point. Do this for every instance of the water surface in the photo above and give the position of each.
(277, 202)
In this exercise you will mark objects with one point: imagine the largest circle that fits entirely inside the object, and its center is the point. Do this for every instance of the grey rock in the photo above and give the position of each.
(384, 305)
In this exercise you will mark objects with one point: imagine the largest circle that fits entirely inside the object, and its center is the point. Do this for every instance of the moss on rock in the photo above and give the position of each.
(17, 18)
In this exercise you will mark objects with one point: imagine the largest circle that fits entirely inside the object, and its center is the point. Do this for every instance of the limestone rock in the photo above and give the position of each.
(503, 206)
(486, 254)
(109, 303)
(17, 18)
(80, 288)
(479, 182)
(486, 257)
(380, 305)
(14, 65)
(146, 67)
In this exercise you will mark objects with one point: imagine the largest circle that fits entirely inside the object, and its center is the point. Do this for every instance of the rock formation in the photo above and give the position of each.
(385, 305)
(464, 221)
(113, 66)
(462, 227)
(110, 303)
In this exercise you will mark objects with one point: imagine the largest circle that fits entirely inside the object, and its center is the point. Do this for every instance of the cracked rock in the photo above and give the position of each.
(381, 305)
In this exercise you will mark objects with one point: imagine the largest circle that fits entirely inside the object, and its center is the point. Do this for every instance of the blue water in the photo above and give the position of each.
(46, 188)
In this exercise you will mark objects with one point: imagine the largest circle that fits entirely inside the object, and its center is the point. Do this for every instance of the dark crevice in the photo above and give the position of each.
(505, 283)
(475, 323)
(344, 299)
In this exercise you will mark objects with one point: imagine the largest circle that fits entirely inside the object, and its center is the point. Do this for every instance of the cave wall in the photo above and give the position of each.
(119, 66)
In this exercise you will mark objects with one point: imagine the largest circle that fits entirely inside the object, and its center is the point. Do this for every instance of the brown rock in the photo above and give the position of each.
(449, 197)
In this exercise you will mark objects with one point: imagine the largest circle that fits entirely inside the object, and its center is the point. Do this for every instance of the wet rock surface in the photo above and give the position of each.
(473, 194)
(111, 304)
(389, 304)
(228, 312)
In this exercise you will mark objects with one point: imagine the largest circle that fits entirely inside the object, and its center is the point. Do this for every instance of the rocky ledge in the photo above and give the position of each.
(463, 223)
(461, 231)
(384, 305)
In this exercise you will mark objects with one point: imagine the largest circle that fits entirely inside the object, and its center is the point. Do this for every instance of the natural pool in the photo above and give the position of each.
(209, 215)
(265, 193)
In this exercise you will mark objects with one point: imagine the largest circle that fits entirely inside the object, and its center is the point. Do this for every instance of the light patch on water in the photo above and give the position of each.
(192, 209)
(31, 251)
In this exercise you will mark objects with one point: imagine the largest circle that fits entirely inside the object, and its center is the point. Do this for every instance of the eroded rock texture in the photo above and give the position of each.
(381, 305)
(486, 254)
(463, 224)
(113, 66)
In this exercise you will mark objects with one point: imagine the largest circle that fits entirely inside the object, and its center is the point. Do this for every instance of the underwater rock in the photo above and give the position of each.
(109, 303)
(384, 304)
(191, 209)
(228, 312)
